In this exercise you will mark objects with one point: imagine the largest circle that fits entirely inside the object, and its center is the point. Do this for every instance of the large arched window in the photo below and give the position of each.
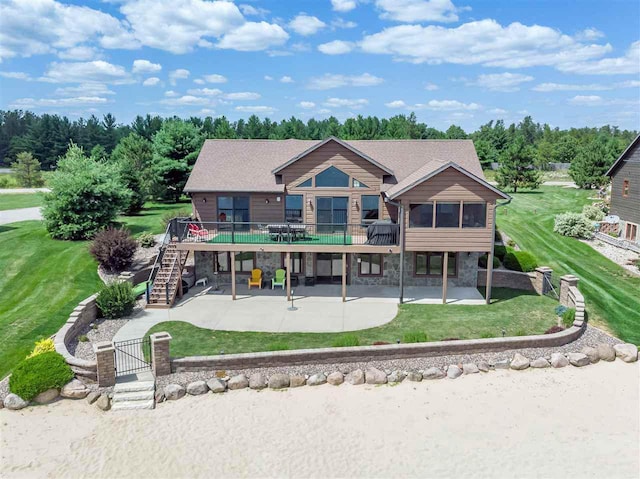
(332, 177)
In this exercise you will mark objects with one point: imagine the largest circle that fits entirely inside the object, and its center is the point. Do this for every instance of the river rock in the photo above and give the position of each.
(502, 364)
(483, 366)
(279, 381)
(317, 379)
(559, 360)
(257, 381)
(415, 376)
(433, 373)
(46, 396)
(540, 363)
(93, 396)
(217, 385)
(173, 392)
(591, 353)
(159, 396)
(355, 377)
(519, 362)
(197, 387)
(397, 376)
(606, 352)
(453, 371)
(238, 382)
(14, 402)
(627, 352)
(375, 376)
(336, 378)
(470, 368)
(297, 380)
(104, 402)
(75, 389)
(578, 359)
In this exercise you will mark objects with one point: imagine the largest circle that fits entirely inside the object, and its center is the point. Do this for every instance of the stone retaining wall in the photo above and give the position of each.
(503, 278)
(85, 313)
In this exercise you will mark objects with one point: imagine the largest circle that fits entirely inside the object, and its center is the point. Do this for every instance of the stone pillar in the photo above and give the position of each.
(160, 359)
(543, 280)
(126, 276)
(106, 361)
(566, 282)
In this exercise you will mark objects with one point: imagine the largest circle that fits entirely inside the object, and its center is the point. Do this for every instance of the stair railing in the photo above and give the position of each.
(166, 239)
(168, 295)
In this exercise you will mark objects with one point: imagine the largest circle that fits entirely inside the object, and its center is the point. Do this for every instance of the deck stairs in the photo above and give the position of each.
(167, 284)
(134, 391)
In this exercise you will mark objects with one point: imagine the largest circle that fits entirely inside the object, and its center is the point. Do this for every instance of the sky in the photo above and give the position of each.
(566, 63)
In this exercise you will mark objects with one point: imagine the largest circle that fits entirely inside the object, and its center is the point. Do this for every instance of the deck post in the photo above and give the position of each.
(287, 262)
(445, 273)
(233, 275)
(344, 277)
(489, 277)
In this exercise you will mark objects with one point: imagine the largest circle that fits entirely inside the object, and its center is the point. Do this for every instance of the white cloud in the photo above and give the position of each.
(346, 103)
(336, 47)
(145, 66)
(286, 79)
(268, 78)
(627, 64)
(279, 53)
(256, 109)
(328, 81)
(306, 25)
(306, 105)
(497, 111)
(199, 81)
(506, 82)
(179, 74)
(170, 93)
(396, 104)
(82, 72)
(414, 11)
(81, 53)
(16, 75)
(204, 92)
(251, 10)
(57, 102)
(215, 78)
(301, 47)
(586, 100)
(242, 95)
(186, 100)
(549, 87)
(437, 105)
(254, 36)
(151, 81)
(431, 87)
(589, 34)
(84, 90)
(483, 42)
(324, 111)
(341, 23)
(343, 5)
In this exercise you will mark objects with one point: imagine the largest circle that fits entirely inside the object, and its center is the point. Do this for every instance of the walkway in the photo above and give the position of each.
(21, 214)
(14, 191)
(318, 309)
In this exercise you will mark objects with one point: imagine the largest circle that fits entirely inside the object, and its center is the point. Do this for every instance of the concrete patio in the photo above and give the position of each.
(319, 309)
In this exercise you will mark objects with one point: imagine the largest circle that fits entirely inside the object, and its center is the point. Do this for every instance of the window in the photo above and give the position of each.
(359, 184)
(625, 188)
(474, 215)
(233, 209)
(447, 215)
(293, 208)
(245, 262)
(421, 216)
(430, 264)
(370, 208)
(305, 184)
(297, 262)
(221, 263)
(332, 177)
(370, 264)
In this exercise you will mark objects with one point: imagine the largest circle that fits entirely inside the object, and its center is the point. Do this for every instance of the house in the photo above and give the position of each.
(365, 212)
(625, 191)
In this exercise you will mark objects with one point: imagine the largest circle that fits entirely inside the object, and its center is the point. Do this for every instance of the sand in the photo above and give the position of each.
(536, 423)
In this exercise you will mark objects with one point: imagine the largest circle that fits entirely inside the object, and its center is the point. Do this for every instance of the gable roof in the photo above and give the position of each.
(340, 142)
(249, 165)
(622, 157)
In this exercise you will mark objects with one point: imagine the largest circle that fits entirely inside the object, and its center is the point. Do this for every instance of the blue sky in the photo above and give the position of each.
(566, 63)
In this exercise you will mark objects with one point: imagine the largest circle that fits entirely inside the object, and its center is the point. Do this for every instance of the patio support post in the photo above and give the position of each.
(287, 261)
(445, 272)
(233, 275)
(489, 276)
(344, 277)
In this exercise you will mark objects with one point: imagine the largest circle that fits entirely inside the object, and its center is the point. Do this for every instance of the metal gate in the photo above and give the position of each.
(132, 356)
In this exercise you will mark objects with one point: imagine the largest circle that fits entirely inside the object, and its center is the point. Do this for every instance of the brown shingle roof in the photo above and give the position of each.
(247, 165)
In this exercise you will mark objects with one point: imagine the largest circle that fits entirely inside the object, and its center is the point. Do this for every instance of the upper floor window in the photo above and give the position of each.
(447, 215)
(359, 184)
(421, 215)
(305, 184)
(233, 209)
(332, 177)
(474, 215)
(370, 208)
(625, 188)
(293, 208)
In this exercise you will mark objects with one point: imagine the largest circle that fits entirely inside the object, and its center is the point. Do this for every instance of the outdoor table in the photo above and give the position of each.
(287, 232)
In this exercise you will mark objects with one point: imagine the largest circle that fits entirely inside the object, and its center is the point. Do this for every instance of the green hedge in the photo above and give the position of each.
(39, 373)
(520, 261)
(116, 300)
(482, 261)
(500, 251)
(568, 317)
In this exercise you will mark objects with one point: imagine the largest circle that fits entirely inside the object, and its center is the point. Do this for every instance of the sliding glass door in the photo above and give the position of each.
(332, 213)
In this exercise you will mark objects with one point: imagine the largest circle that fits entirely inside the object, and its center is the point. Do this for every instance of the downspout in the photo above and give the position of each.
(401, 224)
(493, 246)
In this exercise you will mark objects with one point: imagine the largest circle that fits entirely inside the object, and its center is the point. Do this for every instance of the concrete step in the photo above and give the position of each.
(133, 396)
(133, 405)
(134, 386)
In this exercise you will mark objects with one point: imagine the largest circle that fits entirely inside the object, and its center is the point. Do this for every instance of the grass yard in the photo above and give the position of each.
(14, 201)
(612, 294)
(517, 312)
(149, 220)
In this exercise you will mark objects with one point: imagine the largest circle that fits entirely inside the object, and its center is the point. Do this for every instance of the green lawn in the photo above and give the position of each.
(517, 312)
(20, 200)
(150, 218)
(612, 294)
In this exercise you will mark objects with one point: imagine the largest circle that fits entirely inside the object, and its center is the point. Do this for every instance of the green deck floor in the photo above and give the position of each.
(242, 237)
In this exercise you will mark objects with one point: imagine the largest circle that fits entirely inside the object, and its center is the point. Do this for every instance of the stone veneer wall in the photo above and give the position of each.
(503, 278)
(85, 313)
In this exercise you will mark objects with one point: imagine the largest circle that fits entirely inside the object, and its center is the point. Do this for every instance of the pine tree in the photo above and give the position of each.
(517, 167)
(26, 170)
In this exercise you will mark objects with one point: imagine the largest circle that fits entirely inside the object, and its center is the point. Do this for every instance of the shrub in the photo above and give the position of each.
(415, 337)
(482, 261)
(521, 332)
(568, 317)
(613, 234)
(486, 335)
(83, 338)
(39, 373)
(511, 243)
(116, 300)
(560, 309)
(498, 235)
(499, 251)
(42, 346)
(346, 340)
(114, 249)
(26, 171)
(574, 225)
(174, 214)
(146, 240)
(554, 329)
(520, 261)
(593, 212)
(277, 347)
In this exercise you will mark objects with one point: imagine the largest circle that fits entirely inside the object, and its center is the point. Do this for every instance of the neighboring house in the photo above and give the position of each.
(340, 212)
(625, 191)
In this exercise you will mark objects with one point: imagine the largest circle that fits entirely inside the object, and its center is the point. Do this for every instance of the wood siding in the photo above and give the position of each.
(628, 209)
(259, 210)
(449, 186)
